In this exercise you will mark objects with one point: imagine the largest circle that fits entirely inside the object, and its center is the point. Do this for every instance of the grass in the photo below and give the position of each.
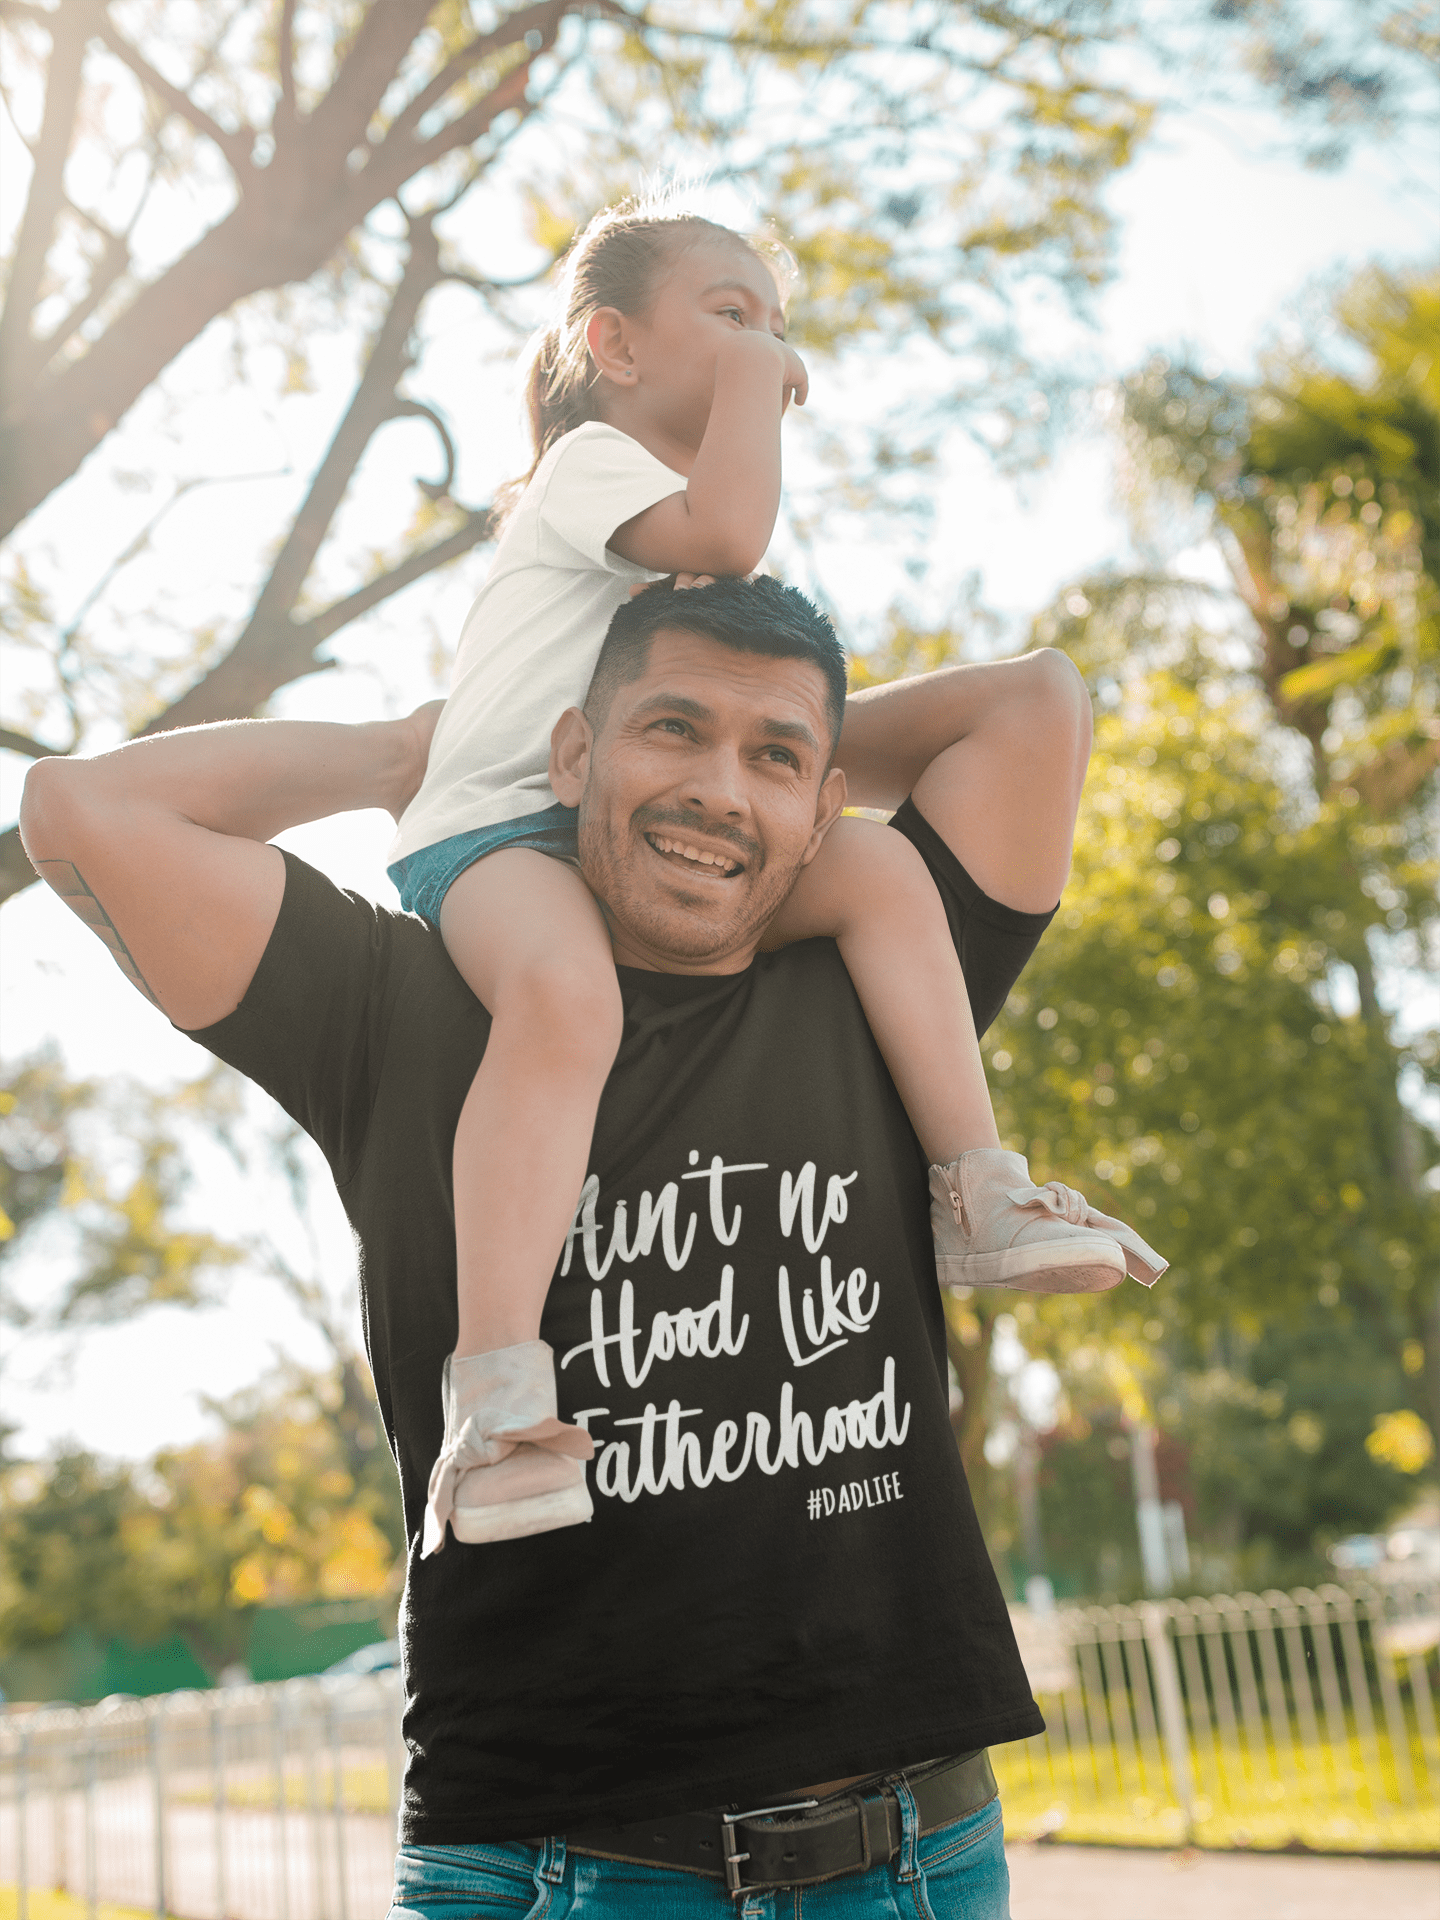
(1315, 1796)
(48, 1905)
(363, 1789)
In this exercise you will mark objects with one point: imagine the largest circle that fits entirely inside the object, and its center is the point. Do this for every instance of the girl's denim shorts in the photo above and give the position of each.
(423, 879)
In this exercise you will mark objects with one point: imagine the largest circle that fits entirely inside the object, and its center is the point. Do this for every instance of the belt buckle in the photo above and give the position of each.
(734, 1886)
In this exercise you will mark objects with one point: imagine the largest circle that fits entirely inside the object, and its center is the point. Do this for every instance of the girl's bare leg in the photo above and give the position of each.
(869, 890)
(531, 943)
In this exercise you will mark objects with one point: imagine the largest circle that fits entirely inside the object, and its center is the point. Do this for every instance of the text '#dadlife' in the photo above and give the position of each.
(853, 1496)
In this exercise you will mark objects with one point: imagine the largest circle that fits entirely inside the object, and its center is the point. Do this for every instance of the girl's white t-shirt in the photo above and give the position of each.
(530, 642)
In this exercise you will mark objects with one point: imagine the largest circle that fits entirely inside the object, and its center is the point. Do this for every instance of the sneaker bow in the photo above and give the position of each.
(1142, 1263)
(472, 1448)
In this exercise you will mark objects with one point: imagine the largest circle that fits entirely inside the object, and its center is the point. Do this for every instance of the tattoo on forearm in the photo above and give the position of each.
(66, 879)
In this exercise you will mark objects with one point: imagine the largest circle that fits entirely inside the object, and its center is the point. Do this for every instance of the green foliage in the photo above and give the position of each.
(63, 1561)
(1364, 66)
(1277, 1455)
(294, 1501)
(36, 1102)
(1186, 1040)
(1173, 1038)
(108, 1171)
(1322, 483)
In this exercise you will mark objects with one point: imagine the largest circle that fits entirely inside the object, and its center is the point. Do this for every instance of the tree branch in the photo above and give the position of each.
(236, 147)
(544, 20)
(114, 259)
(342, 117)
(13, 742)
(291, 217)
(286, 55)
(269, 656)
(240, 686)
(416, 409)
(372, 404)
(396, 161)
(16, 872)
(479, 525)
(47, 192)
(45, 17)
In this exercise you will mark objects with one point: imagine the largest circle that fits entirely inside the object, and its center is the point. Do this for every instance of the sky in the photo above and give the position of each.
(1220, 237)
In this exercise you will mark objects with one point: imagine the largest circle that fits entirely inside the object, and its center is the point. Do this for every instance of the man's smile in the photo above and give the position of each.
(689, 854)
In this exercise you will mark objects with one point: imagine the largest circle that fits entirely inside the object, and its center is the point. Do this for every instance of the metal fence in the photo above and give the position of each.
(1246, 1719)
(252, 1803)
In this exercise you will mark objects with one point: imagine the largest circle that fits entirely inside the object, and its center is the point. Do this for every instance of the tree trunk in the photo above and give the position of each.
(969, 1333)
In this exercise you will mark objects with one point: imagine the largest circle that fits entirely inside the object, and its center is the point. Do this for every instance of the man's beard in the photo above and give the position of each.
(666, 927)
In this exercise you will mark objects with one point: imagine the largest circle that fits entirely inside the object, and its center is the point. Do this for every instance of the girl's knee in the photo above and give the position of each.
(567, 1005)
(875, 863)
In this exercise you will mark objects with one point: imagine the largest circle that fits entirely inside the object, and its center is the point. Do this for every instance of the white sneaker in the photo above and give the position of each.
(509, 1466)
(994, 1227)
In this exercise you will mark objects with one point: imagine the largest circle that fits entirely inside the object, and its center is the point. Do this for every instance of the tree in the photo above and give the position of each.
(104, 1174)
(297, 1498)
(1183, 1035)
(1320, 485)
(286, 1505)
(1337, 72)
(340, 150)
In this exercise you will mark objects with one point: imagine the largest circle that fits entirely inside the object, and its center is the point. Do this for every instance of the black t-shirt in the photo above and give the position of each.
(784, 1581)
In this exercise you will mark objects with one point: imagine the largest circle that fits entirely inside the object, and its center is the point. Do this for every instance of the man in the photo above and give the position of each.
(784, 1597)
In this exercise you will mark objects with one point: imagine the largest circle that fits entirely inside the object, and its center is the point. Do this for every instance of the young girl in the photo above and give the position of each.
(655, 407)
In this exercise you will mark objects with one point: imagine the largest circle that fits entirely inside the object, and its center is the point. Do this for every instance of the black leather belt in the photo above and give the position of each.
(799, 1842)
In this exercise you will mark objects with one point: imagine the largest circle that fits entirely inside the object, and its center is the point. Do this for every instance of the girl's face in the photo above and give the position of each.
(712, 289)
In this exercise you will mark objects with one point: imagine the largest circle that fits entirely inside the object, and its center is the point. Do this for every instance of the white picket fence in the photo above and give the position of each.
(1242, 1719)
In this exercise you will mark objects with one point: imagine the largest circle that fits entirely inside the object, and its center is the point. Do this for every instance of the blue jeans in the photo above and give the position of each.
(955, 1873)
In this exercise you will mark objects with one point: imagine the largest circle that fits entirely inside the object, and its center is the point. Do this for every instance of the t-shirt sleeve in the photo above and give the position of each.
(993, 942)
(601, 479)
(311, 1027)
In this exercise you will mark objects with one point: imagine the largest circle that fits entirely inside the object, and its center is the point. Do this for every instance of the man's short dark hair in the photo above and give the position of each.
(751, 616)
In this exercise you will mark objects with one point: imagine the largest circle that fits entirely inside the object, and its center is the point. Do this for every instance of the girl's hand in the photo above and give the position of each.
(680, 582)
(797, 380)
(794, 380)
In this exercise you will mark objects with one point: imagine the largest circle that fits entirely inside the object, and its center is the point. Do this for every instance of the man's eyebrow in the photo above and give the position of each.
(741, 286)
(696, 710)
(674, 703)
(790, 730)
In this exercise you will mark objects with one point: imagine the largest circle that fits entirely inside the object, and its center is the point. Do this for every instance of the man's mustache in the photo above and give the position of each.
(649, 818)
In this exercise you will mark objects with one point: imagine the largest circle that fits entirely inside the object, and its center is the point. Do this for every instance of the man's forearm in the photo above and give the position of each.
(247, 778)
(995, 758)
(893, 733)
(158, 845)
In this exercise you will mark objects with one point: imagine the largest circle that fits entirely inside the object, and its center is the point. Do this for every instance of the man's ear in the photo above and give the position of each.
(570, 745)
(829, 805)
(607, 335)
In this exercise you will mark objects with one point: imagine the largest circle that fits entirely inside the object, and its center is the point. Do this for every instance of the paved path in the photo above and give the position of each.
(1108, 1883)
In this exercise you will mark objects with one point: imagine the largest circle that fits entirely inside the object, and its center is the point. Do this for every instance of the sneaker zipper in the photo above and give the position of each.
(956, 1203)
